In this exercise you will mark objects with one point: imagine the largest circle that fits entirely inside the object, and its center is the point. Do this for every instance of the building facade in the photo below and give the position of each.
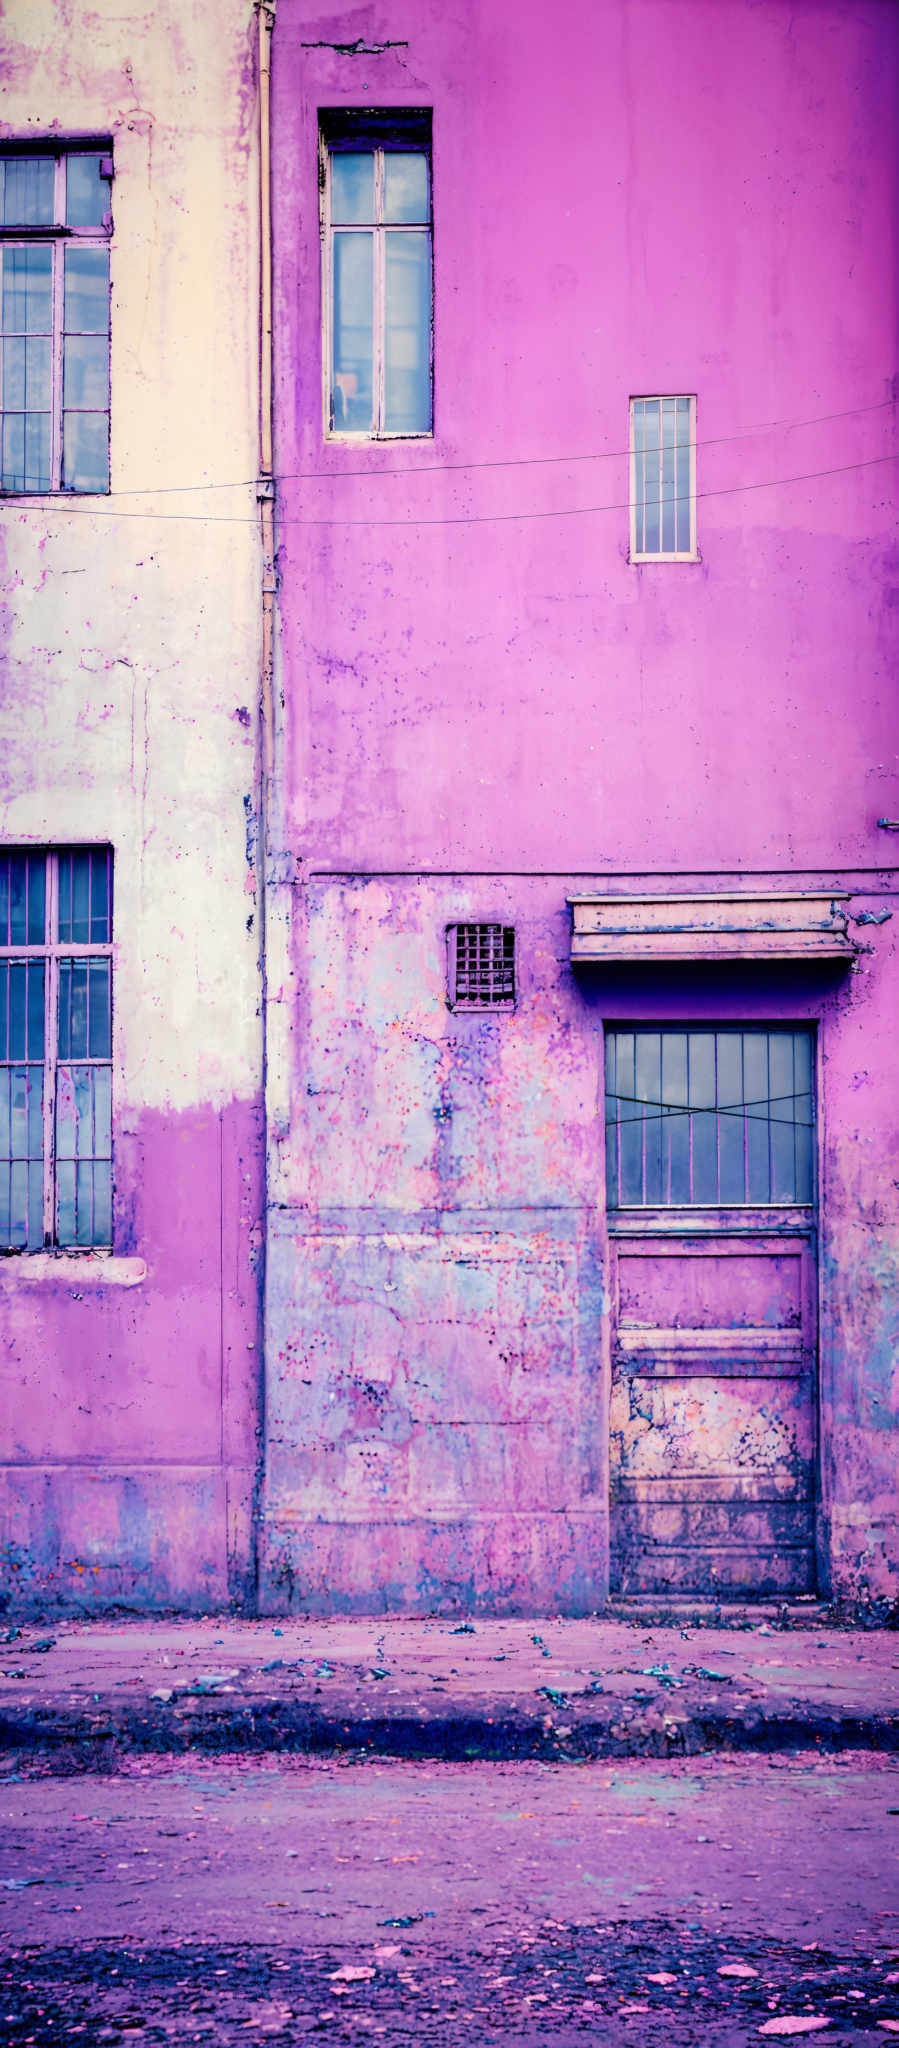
(479, 1189)
(588, 724)
(131, 660)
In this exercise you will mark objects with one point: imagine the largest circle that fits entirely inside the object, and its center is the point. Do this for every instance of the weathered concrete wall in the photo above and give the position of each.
(487, 704)
(130, 675)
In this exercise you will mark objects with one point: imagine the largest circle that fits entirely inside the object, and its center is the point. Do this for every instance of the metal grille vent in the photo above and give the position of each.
(482, 966)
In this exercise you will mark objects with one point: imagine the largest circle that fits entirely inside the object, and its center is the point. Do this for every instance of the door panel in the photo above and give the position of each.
(713, 1409)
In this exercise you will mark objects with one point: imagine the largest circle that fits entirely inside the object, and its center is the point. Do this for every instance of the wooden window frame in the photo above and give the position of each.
(58, 235)
(638, 501)
(345, 130)
(52, 951)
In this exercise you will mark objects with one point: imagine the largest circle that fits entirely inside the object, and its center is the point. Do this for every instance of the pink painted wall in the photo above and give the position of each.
(491, 710)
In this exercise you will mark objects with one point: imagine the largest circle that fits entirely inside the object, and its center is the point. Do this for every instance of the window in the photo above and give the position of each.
(55, 1048)
(481, 964)
(55, 226)
(663, 480)
(376, 183)
(708, 1118)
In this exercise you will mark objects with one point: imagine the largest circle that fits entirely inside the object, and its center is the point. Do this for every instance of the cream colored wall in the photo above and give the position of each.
(131, 625)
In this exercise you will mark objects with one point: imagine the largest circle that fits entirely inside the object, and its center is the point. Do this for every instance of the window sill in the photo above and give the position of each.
(641, 561)
(88, 1269)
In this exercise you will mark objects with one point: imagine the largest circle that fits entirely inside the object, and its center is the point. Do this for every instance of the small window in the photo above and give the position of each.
(481, 963)
(56, 1049)
(377, 241)
(663, 480)
(704, 1118)
(55, 226)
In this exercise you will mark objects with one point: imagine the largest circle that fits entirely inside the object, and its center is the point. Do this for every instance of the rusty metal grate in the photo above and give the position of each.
(481, 966)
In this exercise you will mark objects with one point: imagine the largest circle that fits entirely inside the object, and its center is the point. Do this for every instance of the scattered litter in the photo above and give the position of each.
(163, 1692)
(274, 1664)
(12, 1635)
(37, 1649)
(378, 1671)
(213, 1681)
(326, 1670)
(406, 1919)
(277, 1631)
(352, 1973)
(552, 1693)
(465, 1628)
(20, 1884)
(792, 2023)
(702, 1671)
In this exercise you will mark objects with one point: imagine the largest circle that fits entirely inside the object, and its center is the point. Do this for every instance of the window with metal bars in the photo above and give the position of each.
(481, 963)
(377, 286)
(663, 480)
(717, 1118)
(55, 227)
(56, 1048)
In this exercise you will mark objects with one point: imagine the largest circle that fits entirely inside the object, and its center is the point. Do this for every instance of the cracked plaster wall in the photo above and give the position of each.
(130, 653)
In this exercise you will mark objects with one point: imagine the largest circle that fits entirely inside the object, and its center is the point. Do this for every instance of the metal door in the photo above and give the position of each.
(712, 1229)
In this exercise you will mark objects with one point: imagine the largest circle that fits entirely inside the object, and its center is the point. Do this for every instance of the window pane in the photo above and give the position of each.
(27, 185)
(99, 1043)
(25, 456)
(406, 196)
(668, 509)
(352, 185)
(18, 899)
(676, 1124)
(26, 374)
(651, 477)
(85, 451)
(407, 366)
(74, 896)
(351, 396)
(86, 372)
(683, 489)
(87, 194)
(101, 904)
(87, 291)
(34, 1026)
(27, 295)
(72, 1038)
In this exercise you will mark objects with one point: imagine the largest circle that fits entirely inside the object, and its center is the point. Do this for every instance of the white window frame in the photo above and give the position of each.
(52, 951)
(690, 553)
(333, 141)
(57, 235)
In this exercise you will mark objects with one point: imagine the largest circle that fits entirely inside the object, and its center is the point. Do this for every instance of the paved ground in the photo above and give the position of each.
(304, 1900)
(502, 1688)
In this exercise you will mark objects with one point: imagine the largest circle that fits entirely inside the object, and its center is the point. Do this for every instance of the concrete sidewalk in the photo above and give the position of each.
(77, 1695)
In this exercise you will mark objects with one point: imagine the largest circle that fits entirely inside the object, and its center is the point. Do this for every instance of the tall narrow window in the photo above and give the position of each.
(378, 273)
(663, 479)
(55, 226)
(56, 1048)
(708, 1118)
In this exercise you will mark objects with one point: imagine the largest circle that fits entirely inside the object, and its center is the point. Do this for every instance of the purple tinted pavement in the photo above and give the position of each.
(511, 1687)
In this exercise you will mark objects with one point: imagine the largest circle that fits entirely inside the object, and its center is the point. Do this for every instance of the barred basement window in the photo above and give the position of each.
(56, 1048)
(481, 963)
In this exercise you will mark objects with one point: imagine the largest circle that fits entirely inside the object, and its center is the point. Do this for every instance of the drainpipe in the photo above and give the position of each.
(265, 495)
(265, 489)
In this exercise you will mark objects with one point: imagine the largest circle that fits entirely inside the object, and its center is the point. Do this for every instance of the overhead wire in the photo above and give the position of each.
(94, 511)
(336, 475)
